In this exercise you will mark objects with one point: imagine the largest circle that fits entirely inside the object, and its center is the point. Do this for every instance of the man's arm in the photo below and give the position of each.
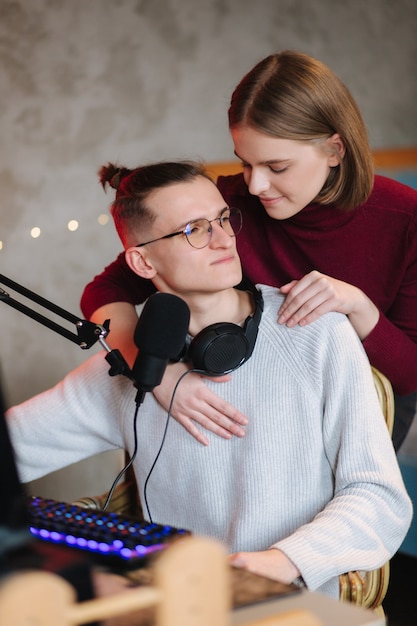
(69, 422)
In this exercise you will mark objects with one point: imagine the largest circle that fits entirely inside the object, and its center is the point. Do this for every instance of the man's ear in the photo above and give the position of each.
(336, 149)
(138, 263)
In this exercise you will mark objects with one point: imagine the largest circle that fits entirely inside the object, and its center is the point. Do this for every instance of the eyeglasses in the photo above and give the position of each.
(198, 232)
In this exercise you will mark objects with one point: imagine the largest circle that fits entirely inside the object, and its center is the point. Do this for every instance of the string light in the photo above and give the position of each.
(35, 232)
(72, 225)
(103, 219)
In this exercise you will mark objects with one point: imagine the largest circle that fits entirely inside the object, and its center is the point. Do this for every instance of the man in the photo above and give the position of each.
(313, 489)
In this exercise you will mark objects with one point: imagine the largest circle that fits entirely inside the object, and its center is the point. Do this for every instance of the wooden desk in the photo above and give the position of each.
(253, 598)
(329, 612)
(188, 585)
(246, 589)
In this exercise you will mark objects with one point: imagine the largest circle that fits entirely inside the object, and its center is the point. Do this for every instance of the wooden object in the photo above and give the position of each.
(191, 589)
(387, 158)
(290, 618)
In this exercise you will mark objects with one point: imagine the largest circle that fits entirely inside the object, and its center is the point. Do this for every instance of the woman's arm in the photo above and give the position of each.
(116, 283)
(194, 403)
(123, 319)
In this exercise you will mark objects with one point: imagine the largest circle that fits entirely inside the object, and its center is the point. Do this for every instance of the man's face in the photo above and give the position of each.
(180, 268)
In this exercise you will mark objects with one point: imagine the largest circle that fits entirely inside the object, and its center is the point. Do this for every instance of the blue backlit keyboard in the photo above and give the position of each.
(108, 538)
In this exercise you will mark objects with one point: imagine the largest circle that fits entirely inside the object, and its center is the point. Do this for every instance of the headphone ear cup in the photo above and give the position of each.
(219, 348)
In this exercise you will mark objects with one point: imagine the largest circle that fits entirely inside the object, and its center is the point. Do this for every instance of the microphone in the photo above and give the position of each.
(160, 337)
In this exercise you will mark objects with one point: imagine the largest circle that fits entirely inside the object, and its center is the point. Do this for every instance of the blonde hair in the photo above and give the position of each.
(291, 95)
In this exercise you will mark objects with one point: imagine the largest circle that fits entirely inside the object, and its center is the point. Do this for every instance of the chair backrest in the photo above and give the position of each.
(368, 589)
(386, 397)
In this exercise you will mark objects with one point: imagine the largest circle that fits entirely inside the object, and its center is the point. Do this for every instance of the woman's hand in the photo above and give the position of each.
(313, 295)
(272, 564)
(195, 403)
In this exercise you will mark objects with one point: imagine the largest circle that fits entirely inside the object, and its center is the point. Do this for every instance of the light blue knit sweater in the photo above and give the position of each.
(315, 474)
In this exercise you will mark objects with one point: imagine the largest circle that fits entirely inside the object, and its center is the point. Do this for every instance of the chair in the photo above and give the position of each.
(368, 589)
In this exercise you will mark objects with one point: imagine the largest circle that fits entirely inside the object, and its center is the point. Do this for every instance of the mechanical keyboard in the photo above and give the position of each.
(120, 541)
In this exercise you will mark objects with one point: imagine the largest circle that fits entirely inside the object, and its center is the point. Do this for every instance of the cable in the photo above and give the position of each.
(128, 464)
(135, 448)
(145, 497)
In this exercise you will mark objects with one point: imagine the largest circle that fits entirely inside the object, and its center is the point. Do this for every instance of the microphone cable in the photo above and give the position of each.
(145, 497)
(128, 464)
(135, 448)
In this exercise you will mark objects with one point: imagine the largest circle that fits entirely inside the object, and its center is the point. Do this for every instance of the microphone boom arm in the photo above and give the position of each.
(88, 333)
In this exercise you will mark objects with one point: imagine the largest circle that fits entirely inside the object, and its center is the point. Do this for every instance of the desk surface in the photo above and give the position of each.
(253, 598)
(246, 588)
(327, 610)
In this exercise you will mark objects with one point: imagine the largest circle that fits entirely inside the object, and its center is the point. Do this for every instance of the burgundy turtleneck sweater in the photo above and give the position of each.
(373, 247)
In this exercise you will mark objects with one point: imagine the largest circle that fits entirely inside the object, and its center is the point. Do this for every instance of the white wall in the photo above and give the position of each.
(87, 81)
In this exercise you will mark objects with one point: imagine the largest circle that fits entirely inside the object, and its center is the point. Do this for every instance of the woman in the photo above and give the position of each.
(316, 222)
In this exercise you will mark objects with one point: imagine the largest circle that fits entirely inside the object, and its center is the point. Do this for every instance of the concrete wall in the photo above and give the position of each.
(87, 81)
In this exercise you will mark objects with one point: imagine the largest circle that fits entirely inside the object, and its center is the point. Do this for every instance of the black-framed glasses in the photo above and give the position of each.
(198, 232)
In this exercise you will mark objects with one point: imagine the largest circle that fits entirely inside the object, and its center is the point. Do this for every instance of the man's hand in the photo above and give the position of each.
(272, 564)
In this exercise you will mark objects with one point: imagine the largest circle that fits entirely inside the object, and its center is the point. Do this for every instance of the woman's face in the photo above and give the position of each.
(285, 174)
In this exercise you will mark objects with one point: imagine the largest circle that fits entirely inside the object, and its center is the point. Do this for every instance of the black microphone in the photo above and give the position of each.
(160, 337)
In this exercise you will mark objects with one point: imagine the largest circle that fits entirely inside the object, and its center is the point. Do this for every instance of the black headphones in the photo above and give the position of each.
(223, 347)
